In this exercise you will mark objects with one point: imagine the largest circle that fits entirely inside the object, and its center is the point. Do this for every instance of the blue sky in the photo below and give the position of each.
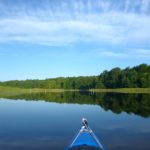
(51, 38)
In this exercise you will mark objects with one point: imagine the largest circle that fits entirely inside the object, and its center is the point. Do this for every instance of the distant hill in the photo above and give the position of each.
(135, 77)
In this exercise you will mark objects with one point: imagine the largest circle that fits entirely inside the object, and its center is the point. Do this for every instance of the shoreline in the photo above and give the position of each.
(14, 90)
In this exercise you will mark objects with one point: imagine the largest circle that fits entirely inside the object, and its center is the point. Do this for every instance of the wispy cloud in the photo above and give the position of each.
(53, 22)
(128, 53)
(113, 54)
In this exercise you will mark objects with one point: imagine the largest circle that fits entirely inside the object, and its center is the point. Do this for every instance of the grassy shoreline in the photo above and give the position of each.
(123, 90)
(118, 90)
(16, 91)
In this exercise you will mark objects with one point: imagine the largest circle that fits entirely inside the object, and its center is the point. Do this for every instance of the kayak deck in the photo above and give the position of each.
(85, 140)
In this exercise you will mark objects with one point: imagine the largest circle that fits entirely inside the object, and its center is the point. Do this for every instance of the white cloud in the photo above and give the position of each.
(99, 21)
(145, 5)
(113, 54)
(144, 53)
(128, 53)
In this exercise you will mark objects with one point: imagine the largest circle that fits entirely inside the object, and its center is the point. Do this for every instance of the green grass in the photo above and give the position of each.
(10, 91)
(123, 90)
(118, 90)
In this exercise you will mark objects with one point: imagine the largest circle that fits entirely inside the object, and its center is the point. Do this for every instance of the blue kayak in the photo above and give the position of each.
(85, 139)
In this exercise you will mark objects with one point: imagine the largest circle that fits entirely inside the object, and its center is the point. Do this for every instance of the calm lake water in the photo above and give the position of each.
(45, 121)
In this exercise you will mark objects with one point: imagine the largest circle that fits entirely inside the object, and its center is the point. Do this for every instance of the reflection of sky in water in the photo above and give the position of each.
(44, 125)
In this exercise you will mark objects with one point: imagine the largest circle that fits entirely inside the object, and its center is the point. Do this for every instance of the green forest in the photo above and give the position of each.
(135, 77)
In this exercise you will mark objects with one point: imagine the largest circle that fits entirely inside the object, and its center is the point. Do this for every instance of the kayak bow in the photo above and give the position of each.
(85, 139)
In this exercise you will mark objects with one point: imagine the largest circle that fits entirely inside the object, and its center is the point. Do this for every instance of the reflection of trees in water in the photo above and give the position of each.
(66, 97)
(138, 104)
(131, 103)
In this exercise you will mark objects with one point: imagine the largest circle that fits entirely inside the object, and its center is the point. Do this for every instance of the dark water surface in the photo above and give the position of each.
(48, 121)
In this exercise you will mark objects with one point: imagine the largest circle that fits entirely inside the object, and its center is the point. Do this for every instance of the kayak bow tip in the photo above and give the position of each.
(85, 122)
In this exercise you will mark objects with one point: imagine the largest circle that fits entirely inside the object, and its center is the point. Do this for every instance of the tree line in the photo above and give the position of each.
(135, 77)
